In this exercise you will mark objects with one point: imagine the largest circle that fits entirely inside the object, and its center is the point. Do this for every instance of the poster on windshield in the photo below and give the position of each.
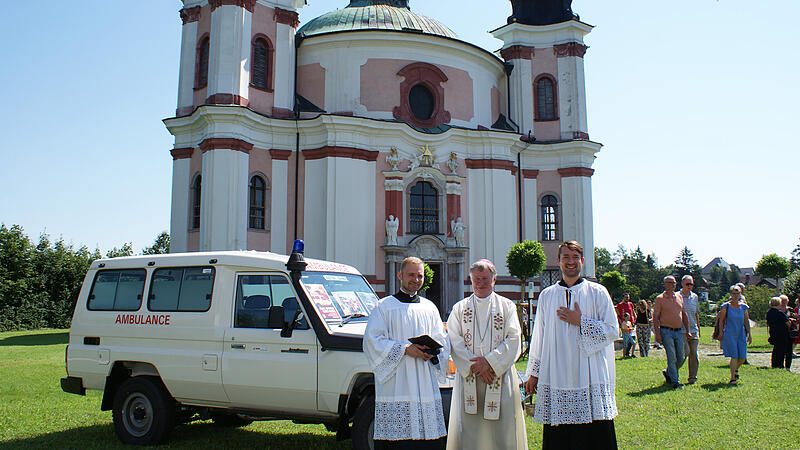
(318, 295)
(348, 302)
(368, 299)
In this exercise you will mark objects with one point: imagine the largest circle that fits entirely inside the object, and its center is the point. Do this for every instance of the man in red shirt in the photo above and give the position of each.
(625, 306)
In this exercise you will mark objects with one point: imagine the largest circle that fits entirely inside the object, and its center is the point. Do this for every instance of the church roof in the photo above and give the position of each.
(374, 16)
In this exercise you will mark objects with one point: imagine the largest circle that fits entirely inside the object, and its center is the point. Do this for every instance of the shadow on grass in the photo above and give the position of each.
(650, 391)
(36, 339)
(711, 387)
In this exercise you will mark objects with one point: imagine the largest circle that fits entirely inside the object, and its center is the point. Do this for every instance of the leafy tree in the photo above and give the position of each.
(757, 298)
(525, 260)
(773, 266)
(602, 261)
(428, 278)
(794, 260)
(791, 287)
(160, 245)
(614, 282)
(125, 250)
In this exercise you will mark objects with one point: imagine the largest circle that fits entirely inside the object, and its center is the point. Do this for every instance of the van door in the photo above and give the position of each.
(260, 369)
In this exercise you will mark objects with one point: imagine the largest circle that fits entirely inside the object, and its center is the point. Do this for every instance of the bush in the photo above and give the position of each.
(758, 300)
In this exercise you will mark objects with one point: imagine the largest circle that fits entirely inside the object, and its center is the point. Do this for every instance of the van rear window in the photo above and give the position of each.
(181, 289)
(117, 290)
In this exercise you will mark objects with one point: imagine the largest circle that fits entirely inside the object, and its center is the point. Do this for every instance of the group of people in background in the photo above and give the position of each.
(783, 323)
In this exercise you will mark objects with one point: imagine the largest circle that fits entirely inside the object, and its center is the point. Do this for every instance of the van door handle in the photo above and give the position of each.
(238, 346)
(295, 350)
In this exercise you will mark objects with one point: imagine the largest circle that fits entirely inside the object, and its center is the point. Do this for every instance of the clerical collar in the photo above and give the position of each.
(405, 298)
(563, 283)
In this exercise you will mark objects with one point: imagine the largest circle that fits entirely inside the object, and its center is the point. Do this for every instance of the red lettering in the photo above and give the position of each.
(166, 319)
(148, 321)
(118, 319)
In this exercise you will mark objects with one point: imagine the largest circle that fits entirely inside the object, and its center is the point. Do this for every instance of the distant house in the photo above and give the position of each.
(716, 262)
(768, 282)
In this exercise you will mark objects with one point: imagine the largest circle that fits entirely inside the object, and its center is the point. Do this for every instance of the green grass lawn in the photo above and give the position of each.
(762, 412)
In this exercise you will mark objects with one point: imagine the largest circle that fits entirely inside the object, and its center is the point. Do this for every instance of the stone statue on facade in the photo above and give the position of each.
(392, 226)
(393, 158)
(452, 163)
(459, 230)
(541, 12)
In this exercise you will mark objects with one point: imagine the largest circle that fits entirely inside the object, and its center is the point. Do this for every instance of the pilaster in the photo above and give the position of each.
(286, 22)
(190, 18)
(179, 215)
(576, 193)
(229, 60)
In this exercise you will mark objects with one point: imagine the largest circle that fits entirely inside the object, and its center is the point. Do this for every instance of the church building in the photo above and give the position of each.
(374, 133)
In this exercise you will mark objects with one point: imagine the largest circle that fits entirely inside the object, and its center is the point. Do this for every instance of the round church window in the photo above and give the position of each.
(421, 101)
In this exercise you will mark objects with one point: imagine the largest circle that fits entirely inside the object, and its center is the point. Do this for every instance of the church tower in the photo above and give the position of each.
(233, 53)
(543, 46)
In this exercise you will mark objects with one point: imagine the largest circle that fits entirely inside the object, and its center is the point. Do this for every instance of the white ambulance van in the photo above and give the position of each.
(228, 336)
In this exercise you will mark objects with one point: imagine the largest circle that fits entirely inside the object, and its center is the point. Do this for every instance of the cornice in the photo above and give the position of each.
(246, 4)
(226, 144)
(575, 172)
(287, 17)
(499, 164)
(518, 52)
(280, 155)
(189, 15)
(570, 49)
(181, 153)
(340, 152)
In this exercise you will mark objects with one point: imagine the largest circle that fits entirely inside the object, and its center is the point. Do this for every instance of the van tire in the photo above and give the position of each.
(144, 413)
(229, 420)
(364, 424)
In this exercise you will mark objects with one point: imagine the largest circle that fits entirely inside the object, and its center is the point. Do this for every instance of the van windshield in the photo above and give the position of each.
(339, 297)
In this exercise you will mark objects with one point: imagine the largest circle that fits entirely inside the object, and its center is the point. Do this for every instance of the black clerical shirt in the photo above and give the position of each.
(405, 298)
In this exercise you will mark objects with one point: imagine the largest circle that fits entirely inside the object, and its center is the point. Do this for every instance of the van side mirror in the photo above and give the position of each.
(289, 326)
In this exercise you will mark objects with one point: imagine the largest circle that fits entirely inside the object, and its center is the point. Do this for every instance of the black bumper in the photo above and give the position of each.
(73, 385)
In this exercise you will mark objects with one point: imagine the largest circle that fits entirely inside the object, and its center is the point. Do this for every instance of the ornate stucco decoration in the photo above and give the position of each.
(393, 158)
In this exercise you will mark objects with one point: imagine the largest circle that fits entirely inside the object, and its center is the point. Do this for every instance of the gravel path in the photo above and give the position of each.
(712, 352)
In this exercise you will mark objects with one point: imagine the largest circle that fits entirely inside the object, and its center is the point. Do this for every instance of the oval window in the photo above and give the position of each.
(421, 101)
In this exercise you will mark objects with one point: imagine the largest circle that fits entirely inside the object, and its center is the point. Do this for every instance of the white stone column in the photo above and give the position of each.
(531, 208)
(492, 224)
(229, 59)
(521, 85)
(287, 22)
(224, 205)
(576, 212)
(572, 90)
(181, 193)
(280, 199)
(190, 16)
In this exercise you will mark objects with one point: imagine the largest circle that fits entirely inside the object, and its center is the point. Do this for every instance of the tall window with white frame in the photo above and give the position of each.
(261, 64)
(549, 218)
(424, 209)
(258, 203)
(196, 191)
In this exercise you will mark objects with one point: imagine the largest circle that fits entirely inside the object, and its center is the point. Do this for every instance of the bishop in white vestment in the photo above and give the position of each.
(485, 339)
(571, 360)
(408, 404)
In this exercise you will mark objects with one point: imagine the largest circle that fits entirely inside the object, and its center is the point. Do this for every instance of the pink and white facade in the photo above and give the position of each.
(418, 125)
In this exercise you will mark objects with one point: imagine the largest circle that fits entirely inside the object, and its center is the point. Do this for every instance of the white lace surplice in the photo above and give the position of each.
(575, 365)
(408, 404)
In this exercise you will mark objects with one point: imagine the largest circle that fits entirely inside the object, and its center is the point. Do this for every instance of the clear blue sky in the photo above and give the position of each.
(694, 100)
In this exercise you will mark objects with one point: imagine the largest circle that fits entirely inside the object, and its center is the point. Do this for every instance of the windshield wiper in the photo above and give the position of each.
(350, 317)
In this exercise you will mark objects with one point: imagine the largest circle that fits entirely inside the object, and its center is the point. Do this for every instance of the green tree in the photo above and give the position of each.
(525, 260)
(602, 261)
(757, 298)
(614, 282)
(685, 264)
(125, 250)
(428, 278)
(791, 287)
(794, 260)
(160, 245)
(773, 266)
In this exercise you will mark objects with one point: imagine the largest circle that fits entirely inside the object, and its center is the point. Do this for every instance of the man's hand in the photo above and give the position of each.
(749, 339)
(658, 338)
(416, 351)
(482, 369)
(530, 385)
(571, 316)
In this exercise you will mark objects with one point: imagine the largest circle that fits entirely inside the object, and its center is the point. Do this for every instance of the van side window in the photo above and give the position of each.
(117, 290)
(186, 289)
(259, 299)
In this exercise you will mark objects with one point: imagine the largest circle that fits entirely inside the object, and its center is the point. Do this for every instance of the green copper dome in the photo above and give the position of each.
(392, 15)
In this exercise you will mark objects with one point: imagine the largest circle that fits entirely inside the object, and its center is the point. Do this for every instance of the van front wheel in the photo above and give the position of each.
(144, 413)
(364, 425)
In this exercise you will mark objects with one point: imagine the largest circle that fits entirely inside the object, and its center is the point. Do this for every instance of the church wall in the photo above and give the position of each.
(495, 96)
(492, 220)
(261, 100)
(549, 182)
(545, 63)
(261, 164)
(203, 30)
(311, 83)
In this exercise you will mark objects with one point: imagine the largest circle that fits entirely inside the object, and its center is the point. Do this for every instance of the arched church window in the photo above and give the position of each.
(424, 210)
(545, 98)
(258, 203)
(549, 218)
(201, 78)
(422, 102)
(196, 190)
(262, 63)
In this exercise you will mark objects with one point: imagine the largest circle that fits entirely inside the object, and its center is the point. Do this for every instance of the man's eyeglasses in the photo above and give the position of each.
(689, 284)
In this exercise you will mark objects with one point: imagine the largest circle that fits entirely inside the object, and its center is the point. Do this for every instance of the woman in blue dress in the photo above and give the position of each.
(735, 332)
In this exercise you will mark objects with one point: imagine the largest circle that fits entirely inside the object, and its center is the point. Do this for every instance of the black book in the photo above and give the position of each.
(433, 347)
